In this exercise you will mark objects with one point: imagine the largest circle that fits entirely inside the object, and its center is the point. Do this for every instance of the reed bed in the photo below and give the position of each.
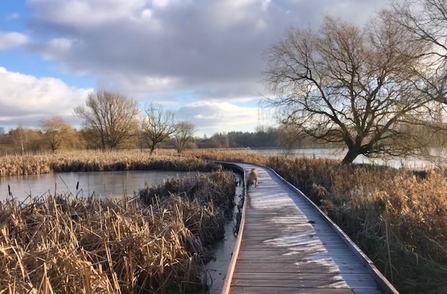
(88, 161)
(398, 217)
(64, 244)
(207, 191)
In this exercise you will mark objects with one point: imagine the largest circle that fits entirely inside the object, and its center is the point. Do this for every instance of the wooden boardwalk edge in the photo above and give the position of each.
(237, 245)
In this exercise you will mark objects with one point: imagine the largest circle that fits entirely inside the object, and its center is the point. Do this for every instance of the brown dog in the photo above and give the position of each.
(253, 178)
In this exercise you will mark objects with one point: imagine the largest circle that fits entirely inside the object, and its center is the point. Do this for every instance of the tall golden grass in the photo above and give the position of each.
(64, 244)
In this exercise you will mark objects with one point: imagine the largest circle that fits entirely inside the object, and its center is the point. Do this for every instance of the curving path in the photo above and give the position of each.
(287, 245)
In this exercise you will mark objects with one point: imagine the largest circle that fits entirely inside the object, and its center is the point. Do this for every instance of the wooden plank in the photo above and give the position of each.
(257, 246)
(284, 290)
(347, 270)
(297, 256)
(309, 283)
(259, 266)
(303, 276)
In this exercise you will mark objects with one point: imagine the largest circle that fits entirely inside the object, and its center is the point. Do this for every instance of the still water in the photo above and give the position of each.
(110, 184)
(438, 157)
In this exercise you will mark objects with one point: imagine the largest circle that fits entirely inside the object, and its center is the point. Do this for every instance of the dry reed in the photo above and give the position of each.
(64, 244)
(82, 161)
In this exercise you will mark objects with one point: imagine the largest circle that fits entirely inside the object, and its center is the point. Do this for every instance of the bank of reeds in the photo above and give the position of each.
(204, 190)
(88, 161)
(398, 217)
(63, 244)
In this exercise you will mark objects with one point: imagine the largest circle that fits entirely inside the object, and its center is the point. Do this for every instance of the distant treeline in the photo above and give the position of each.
(258, 139)
(29, 141)
(24, 141)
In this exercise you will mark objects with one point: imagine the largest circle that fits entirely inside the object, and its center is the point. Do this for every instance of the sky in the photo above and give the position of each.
(203, 59)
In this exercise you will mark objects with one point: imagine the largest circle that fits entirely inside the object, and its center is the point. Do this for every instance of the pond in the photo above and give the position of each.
(101, 184)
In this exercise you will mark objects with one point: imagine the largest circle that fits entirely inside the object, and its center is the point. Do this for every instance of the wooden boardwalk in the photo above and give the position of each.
(286, 245)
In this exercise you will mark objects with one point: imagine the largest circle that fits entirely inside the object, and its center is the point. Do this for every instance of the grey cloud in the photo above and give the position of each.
(10, 40)
(219, 116)
(201, 44)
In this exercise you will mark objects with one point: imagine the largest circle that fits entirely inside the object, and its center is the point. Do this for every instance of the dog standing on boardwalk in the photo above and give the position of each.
(252, 178)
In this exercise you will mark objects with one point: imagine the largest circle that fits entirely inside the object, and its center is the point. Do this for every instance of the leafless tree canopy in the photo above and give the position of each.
(109, 118)
(426, 21)
(158, 125)
(185, 132)
(357, 87)
(55, 130)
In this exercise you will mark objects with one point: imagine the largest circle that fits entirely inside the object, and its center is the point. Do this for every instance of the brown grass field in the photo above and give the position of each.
(397, 217)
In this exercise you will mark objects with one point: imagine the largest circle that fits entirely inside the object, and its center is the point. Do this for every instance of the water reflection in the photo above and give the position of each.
(111, 183)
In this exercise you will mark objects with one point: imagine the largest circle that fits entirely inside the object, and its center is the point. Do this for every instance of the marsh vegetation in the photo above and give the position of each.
(398, 217)
(156, 243)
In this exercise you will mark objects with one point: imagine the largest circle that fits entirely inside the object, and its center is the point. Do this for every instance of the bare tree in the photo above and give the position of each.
(426, 21)
(348, 85)
(55, 130)
(109, 118)
(184, 133)
(158, 125)
(26, 140)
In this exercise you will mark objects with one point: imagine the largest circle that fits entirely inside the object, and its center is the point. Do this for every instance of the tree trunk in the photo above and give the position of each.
(351, 155)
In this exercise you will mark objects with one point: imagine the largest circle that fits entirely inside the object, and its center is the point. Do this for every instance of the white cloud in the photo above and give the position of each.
(25, 98)
(10, 40)
(13, 16)
(214, 116)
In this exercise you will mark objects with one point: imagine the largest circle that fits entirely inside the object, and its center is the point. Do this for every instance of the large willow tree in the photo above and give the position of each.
(360, 87)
